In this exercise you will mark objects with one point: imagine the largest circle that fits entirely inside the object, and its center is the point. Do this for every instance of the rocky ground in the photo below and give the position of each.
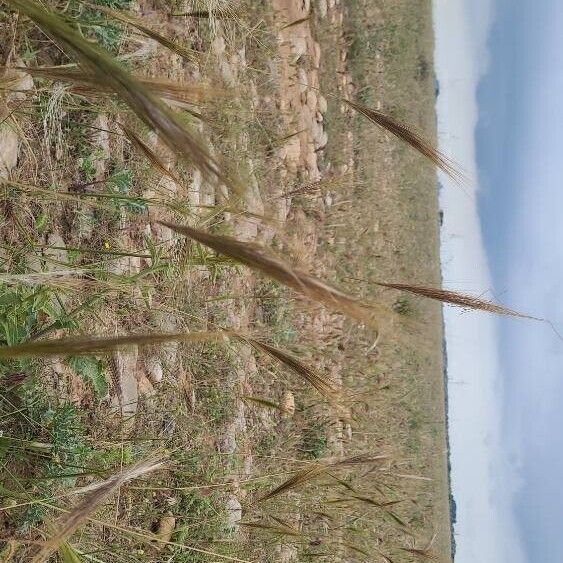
(338, 196)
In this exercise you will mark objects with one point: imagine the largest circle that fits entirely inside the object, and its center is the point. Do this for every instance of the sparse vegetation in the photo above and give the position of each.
(172, 390)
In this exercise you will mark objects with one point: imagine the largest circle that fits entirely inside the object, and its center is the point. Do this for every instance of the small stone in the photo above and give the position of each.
(165, 530)
(145, 387)
(228, 444)
(288, 404)
(234, 514)
(125, 364)
(154, 369)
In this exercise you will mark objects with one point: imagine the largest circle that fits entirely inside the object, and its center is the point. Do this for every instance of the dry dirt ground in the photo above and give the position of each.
(82, 253)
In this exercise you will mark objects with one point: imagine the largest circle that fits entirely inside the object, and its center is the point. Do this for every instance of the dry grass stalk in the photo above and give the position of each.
(266, 403)
(282, 530)
(409, 136)
(67, 524)
(148, 153)
(184, 142)
(316, 470)
(376, 503)
(427, 555)
(333, 183)
(98, 345)
(101, 345)
(217, 13)
(425, 552)
(457, 299)
(323, 385)
(296, 22)
(177, 93)
(258, 258)
(128, 19)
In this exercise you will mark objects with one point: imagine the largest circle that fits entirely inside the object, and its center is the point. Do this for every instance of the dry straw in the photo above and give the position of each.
(85, 83)
(148, 153)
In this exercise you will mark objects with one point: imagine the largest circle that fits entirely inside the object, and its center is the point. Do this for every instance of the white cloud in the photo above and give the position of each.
(482, 483)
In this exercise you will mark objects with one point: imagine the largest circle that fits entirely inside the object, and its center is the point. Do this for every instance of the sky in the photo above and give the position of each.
(500, 116)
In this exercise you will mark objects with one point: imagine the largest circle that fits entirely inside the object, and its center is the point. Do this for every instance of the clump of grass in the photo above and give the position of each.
(166, 42)
(258, 258)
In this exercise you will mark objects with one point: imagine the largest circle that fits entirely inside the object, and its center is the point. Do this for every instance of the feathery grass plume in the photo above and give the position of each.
(176, 93)
(67, 524)
(184, 52)
(148, 153)
(258, 258)
(409, 136)
(323, 385)
(457, 299)
(280, 529)
(398, 520)
(315, 470)
(154, 113)
(300, 478)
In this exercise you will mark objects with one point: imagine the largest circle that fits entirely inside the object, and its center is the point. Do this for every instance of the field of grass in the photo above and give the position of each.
(283, 420)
